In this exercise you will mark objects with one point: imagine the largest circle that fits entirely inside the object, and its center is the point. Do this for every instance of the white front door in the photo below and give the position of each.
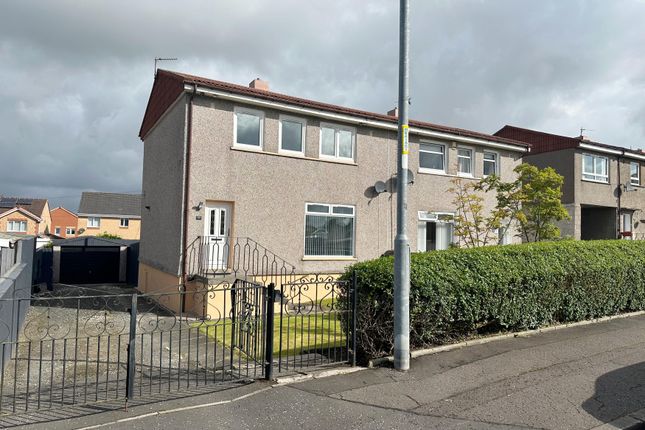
(217, 229)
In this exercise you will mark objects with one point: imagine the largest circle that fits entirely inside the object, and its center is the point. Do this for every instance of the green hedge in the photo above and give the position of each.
(461, 293)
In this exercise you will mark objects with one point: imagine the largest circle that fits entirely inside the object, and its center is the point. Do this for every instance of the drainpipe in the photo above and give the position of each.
(619, 194)
(189, 132)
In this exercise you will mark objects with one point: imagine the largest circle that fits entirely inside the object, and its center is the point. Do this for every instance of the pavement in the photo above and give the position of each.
(585, 377)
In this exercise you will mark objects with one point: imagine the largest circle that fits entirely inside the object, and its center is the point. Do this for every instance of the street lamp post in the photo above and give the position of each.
(401, 244)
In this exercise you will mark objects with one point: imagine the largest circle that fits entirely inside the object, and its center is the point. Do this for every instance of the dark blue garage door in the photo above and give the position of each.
(89, 265)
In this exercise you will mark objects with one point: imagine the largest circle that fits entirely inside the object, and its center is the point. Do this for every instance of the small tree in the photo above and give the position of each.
(472, 225)
(532, 200)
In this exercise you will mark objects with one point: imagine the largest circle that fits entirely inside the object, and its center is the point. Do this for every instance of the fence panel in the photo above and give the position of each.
(315, 322)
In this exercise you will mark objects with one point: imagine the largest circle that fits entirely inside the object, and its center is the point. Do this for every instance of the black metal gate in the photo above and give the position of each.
(77, 349)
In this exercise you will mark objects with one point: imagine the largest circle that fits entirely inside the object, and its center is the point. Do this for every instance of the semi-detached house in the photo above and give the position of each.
(311, 182)
(603, 184)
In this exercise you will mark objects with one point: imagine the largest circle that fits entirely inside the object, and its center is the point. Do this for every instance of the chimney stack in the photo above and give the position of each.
(393, 112)
(259, 84)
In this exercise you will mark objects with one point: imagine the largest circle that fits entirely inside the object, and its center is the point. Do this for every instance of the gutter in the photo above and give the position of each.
(349, 118)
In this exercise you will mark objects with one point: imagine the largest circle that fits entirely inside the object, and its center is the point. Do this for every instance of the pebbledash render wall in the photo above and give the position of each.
(578, 192)
(161, 214)
(269, 190)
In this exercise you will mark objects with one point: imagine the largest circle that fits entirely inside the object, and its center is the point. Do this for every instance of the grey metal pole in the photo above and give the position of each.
(401, 244)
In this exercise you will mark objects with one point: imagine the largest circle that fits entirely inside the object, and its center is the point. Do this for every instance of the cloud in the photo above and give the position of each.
(76, 75)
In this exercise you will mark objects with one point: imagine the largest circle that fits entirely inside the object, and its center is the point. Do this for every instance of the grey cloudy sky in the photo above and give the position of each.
(75, 75)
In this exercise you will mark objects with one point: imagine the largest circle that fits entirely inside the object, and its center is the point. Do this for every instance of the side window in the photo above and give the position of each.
(432, 157)
(249, 126)
(337, 142)
(292, 135)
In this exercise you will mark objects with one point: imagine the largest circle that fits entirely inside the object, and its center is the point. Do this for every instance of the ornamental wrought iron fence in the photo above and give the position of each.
(75, 348)
(238, 258)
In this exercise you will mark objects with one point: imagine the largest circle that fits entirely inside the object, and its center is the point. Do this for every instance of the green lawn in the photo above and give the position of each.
(300, 333)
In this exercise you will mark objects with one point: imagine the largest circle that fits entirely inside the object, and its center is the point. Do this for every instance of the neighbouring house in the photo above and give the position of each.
(311, 182)
(64, 222)
(110, 213)
(20, 215)
(603, 184)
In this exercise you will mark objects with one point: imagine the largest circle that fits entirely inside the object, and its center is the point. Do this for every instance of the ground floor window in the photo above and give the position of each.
(70, 230)
(329, 230)
(435, 231)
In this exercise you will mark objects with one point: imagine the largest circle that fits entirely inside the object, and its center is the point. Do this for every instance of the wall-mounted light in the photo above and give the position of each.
(199, 206)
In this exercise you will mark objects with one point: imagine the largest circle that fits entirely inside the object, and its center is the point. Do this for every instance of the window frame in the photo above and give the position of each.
(127, 223)
(70, 230)
(337, 129)
(472, 161)
(244, 110)
(445, 157)
(593, 176)
(638, 173)
(303, 125)
(20, 222)
(329, 213)
(57, 231)
(497, 162)
(98, 225)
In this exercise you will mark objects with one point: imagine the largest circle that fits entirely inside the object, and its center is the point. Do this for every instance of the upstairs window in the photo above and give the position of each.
(595, 168)
(124, 222)
(57, 231)
(465, 161)
(490, 163)
(93, 222)
(329, 230)
(337, 142)
(635, 173)
(69, 230)
(432, 157)
(248, 128)
(17, 226)
(292, 135)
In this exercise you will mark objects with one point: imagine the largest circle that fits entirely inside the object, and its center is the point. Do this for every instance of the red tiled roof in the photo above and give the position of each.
(168, 85)
(547, 142)
(540, 141)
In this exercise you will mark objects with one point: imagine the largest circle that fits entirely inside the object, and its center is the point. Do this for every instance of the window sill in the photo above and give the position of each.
(595, 182)
(441, 173)
(330, 258)
(251, 148)
(297, 157)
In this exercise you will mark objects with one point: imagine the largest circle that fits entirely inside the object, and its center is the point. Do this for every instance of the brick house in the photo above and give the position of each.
(64, 222)
(24, 216)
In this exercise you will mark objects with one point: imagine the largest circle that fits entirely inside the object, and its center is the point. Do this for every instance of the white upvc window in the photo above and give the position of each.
(329, 230)
(69, 230)
(337, 142)
(292, 132)
(464, 161)
(124, 223)
(248, 128)
(17, 226)
(93, 222)
(432, 157)
(635, 173)
(57, 231)
(491, 163)
(595, 168)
